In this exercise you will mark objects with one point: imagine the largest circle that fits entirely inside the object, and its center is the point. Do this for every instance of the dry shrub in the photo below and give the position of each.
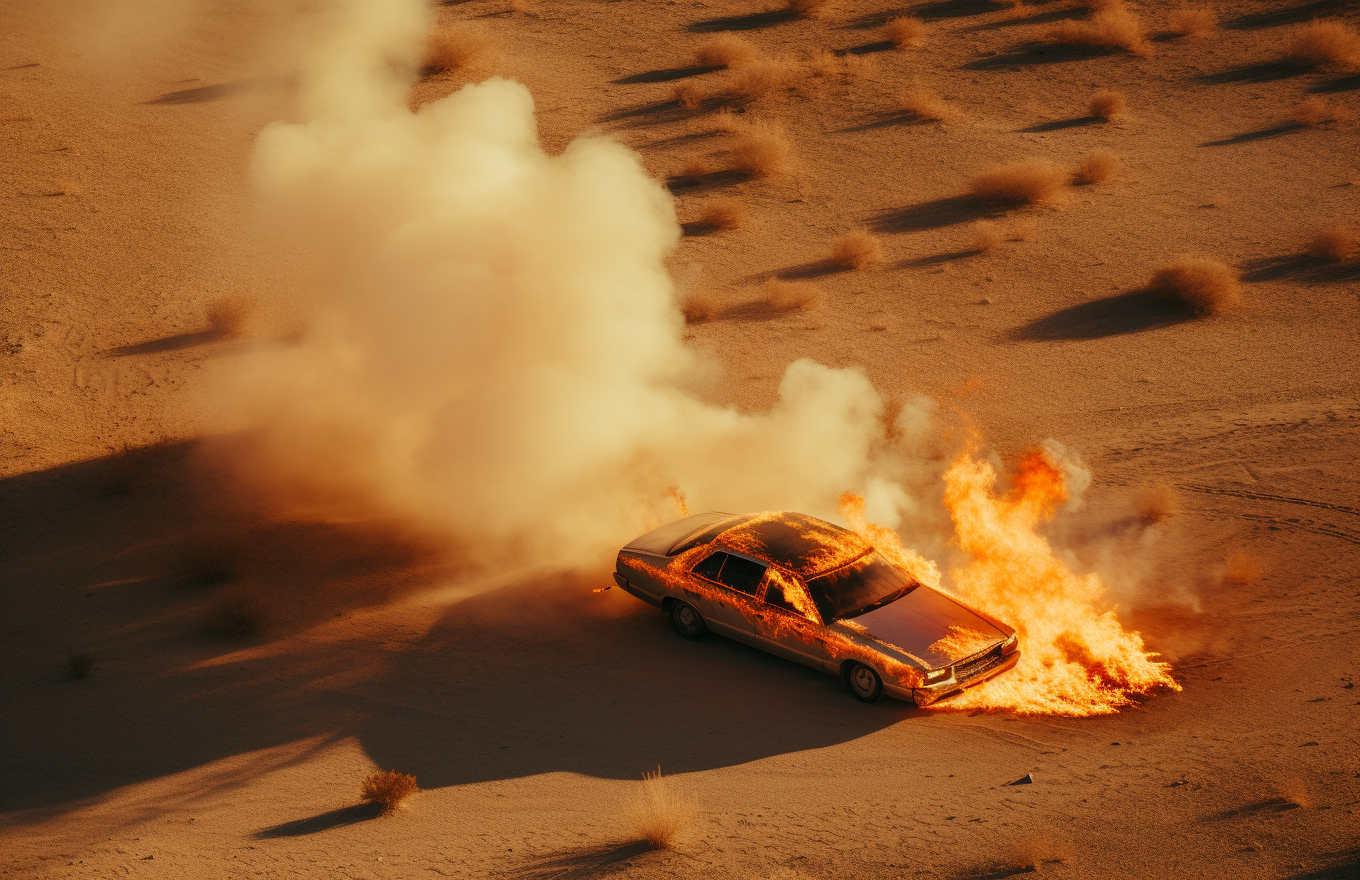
(1110, 27)
(907, 32)
(722, 213)
(824, 64)
(761, 150)
(726, 120)
(228, 315)
(239, 612)
(1314, 112)
(986, 235)
(1322, 42)
(659, 813)
(79, 664)
(725, 50)
(809, 8)
(790, 296)
(1156, 503)
(1336, 242)
(1206, 286)
(857, 249)
(455, 48)
(925, 104)
(695, 166)
(1107, 105)
(699, 307)
(1024, 229)
(1192, 21)
(1033, 180)
(690, 96)
(388, 789)
(1098, 166)
(762, 78)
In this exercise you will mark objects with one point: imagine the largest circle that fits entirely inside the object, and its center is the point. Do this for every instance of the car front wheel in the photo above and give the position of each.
(687, 620)
(864, 683)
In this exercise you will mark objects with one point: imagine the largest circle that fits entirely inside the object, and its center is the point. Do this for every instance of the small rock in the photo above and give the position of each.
(1023, 780)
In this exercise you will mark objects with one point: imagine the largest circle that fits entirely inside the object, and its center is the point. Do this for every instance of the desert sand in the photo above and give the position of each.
(252, 663)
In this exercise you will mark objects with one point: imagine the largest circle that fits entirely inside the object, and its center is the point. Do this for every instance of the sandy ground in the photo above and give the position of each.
(528, 708)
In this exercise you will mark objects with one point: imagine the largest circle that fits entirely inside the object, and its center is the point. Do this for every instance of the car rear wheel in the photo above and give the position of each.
(864, 683)
(687, 620)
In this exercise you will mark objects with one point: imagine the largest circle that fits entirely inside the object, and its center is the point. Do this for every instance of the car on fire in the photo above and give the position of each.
(820, 595)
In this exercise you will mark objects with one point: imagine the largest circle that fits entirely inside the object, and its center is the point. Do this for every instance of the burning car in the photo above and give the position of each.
(817, 594)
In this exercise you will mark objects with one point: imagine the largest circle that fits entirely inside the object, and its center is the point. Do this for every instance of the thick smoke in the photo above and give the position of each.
(498, 352)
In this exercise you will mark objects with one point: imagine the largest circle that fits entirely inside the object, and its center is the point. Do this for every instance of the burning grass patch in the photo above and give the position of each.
(1336, 242)
(230, 315)
(659, 813)
(1107, 105)
(725, 50)
(1031, 180)
(1314, 112)
(923, 103)
(790, 296)
(761, 149)
(1323, 41)
(388, 789)
(1192, 21)
(1112, 26)
(1097, 167)
(856, 249)
(907, 32)
(1208, 287)
(457, 48)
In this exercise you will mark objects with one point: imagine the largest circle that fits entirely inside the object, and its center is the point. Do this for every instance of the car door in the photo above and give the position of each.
(725, 588)
(787, 623)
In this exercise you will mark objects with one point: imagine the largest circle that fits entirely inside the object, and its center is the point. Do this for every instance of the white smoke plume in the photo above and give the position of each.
(498, 353)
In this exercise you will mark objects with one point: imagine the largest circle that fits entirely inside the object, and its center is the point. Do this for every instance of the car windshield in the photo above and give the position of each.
(867, 583)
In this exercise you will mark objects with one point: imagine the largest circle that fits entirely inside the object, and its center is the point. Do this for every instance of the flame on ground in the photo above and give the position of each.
(1076, 657)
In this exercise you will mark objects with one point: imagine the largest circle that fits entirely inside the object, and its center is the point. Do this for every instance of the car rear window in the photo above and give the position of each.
(858, 587)
(705, 535)
(742, 575)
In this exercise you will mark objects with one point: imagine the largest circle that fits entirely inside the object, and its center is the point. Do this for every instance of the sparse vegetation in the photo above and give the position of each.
(856, 249)
(79, 664)
(824, 64)
(1157, 502)
(1107, 105)
(1324, 41)
(1192, 21)
(1313, 112)
(906, 32)
(725, 50)
(388, 789)
(660, 814)
(1111, 26)
(228, 315)
(1033, 180)
(1336, 242)
(699, 307)
(923, 103)
(1207, 286)
(455, 48)
(723, 213)
(790, 296)
(986, 235)
(1098, 166)
(761, 150)
(762, 78)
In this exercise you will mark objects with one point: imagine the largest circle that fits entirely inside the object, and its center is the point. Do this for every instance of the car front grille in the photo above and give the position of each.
(978, 665)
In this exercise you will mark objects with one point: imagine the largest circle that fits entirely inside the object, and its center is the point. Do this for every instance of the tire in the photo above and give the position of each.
(687, 620)
(864, 683)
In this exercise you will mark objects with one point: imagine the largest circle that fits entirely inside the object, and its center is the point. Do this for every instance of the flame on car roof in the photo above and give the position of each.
(798, 542)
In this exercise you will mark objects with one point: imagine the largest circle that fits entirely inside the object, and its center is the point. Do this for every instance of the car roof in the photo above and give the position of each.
(801, 543)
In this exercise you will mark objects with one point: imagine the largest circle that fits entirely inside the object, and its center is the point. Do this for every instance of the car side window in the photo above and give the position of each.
(742, 575)
(774, 595)
(710, 567)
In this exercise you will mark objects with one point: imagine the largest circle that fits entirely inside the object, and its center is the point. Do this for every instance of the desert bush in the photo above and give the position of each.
(790, 296)
(761, 150)
(1323, 41)
(1336, 242)
(1110, 27)
(1107, 105)
(1314, 111)
(659, 813)
(228, 315)
(762, 78)
(1157, 502)
(824, 64)
(856, 249)
(727, 121)
(1033, 180)
(1206, 286)
(725, 50)
(239, 612)
(809, 8)
(724, 213)
(699, 307)
(986, 235)
(907, 32)
(1192, 21)
(925, 104)
(79, 664)
(388, 789)
(455, 48)
(690, 96)
(1098, 166)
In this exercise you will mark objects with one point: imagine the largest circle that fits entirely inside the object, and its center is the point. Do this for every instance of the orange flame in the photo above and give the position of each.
(886, 542)
(1076, 657)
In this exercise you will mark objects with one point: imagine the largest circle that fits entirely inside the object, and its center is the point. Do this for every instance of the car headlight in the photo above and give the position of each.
(935, 676)
(1011, 645)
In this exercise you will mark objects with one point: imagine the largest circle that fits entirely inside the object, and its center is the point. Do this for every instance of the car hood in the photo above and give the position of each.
(930, 626)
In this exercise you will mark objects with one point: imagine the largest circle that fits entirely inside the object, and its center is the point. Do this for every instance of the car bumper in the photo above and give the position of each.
(928, 694)
(629, 588)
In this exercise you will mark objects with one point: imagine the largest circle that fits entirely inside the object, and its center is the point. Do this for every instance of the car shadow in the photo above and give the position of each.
(1136, 311)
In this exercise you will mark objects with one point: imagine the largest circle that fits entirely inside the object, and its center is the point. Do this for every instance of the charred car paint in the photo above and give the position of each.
(817, 594)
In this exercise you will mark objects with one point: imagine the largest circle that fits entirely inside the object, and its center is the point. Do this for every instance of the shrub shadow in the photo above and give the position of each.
(748, 22)
(1341, 84)
(711, 180)
(935, 214)
(167, 343)
(201, 94)
(1302, 267)
(1272, 805)
(1062, 124)
(938, 259)
(1276, 17)
(322, 822)
(584, 863)
(1259, 135)
(1032, 54)
(1266, 71)
(669, 75)
(1136, 311)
